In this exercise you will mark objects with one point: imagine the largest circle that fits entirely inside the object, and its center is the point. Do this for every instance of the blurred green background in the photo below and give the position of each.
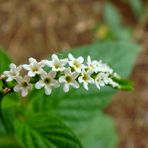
(40, 27)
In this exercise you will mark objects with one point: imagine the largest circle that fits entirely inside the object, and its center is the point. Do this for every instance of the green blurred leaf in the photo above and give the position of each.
(113, 19)
(4, 65)
(137, 6)
(102, 133)
(44, 131)
(112, 16)
(4, 61)
(8, 142)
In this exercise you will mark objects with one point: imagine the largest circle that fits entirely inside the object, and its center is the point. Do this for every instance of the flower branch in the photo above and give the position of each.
(69, 72)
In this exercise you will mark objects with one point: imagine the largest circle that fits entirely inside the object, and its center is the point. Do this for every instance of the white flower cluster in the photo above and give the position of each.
(70, 72)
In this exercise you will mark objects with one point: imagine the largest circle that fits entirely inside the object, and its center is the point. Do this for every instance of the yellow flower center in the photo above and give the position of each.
(24, 84)
(85, 77)
(68, 79)
(47, 80)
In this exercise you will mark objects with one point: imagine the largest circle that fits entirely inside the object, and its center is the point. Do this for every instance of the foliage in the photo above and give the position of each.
(115, 29)
(61, 119)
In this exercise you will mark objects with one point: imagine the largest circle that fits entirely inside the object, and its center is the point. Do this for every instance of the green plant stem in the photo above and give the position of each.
(2, 118)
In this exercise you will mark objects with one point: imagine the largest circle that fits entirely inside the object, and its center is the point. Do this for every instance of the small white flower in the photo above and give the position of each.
(101, 67)
(69, 79)
(13, 73)
(77, 64)
(23, 85)
(103, 79)
(56, 64)
(86, 78)
(92, 65)
(34, 67)
(99, 80)
(47, 81)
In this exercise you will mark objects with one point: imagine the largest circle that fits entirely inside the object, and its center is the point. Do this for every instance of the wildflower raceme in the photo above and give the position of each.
(68, 72)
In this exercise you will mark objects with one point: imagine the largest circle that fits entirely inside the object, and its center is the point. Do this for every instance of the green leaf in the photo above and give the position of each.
(124, 84)
(137, 6)
(78, 108)
(8, 141)
(44, 131)
(2, 130)
(102, 133)
(112, 16)
(113, 19)
(4, 61)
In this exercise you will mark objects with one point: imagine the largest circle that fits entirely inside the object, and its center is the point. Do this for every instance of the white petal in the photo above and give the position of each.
(43, 74)
(64, 61)
(91, 80)
(78, 70)
(12, 66)
(49, 63)
(26, 78)
(71, 63)
(81, 79)
(39, 84)
(90, 71)
(29, 87)
(67, 71)
(70, 56)
(16, 88)
(62, 79)
(55, 57)
(52, 74)
(74, 75)
(80, 59)
(47, 90)
(19, 68)
(98, 86)
(75, 84)
(9, 79)
(19, 79)
(55, 83)
(25, 66)
(32, 60)
(88, 60)
(6, 73)
(85, 85)
(24, 92)
(31, 74)
(66, 88)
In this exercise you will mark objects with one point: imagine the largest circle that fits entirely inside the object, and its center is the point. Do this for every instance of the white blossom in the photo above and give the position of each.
(86, 78)
(56, 64)
(103, 79)
(13, 72)
(34, 67)
(76, 63)
(47, 81)
(92, 65)
(69, 71)
(69, 79)
(23, 85)
(101, 67)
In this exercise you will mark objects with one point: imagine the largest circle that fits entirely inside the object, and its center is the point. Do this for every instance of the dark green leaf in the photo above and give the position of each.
(44, 131)
(4, 61)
